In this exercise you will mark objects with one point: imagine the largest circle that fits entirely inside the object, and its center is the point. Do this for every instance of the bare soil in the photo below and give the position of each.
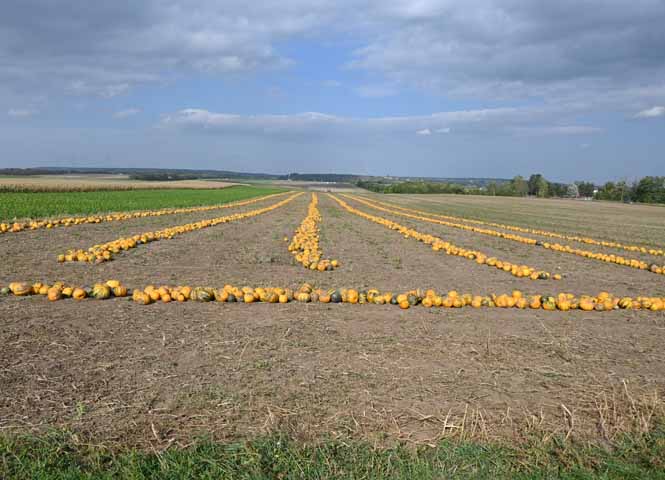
(156, 375)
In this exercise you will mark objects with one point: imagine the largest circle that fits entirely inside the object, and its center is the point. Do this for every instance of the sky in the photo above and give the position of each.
(572, 89)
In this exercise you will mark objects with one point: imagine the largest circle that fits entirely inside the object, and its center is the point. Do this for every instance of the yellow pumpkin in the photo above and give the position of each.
(563, 305)
(101, 291)
(352, 296)
(20, 289)
(303, 297)
(141, 298)
(120, 291)
(221, 295)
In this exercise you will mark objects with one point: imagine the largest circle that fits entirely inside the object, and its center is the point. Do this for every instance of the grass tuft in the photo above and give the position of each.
(58, 455)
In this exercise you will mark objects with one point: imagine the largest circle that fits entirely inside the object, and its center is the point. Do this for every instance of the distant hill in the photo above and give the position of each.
(165, 174)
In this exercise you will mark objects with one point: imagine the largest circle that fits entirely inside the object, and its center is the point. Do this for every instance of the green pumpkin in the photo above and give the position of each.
(336, 297)
(4, 291)
(201, 294)
(101, 292)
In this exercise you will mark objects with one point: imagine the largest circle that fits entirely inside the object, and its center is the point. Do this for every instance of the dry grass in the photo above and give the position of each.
(628, 223)
(85, 183)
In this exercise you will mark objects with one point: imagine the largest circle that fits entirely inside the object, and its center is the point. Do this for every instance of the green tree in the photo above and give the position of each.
(613, 191)
(586, 189)
(538, 186)
(556, 190)
(650, 190)
(533, 183)
(520, 186)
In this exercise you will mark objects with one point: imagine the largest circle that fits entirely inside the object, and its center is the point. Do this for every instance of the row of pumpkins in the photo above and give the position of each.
(603, 257)
(439, 245)
(304, 245)
(543, 233)
(61, 290)
(119, 216)
(104, 252)
(306, 293)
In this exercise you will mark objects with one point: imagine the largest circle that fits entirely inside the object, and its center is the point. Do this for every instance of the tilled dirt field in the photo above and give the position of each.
(167, 373)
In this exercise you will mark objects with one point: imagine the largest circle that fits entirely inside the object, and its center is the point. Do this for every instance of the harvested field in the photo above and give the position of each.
(641, 224)
(162, 374)
(92, 182)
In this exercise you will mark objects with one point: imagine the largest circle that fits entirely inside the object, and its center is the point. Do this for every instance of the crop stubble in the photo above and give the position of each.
(140, 375)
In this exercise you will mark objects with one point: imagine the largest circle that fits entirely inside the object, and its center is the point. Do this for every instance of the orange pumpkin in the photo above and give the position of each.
(54, 294)
(79, 294)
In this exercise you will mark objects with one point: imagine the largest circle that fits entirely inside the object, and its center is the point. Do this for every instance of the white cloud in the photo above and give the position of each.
(126, 113)
(515, 120)
(67, 47)
(21, 112)
(651, 112)
(495, 50)
(488, 49)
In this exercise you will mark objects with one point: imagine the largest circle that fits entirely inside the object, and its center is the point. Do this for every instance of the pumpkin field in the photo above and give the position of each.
(344, 314)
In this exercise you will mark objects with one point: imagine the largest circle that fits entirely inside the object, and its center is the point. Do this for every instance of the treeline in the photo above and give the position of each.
(158, 174)
(163, 177)
(413, 187)
(517, 187)
(645, 190)
(538, 186)
(321, 177)
(29, 172)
